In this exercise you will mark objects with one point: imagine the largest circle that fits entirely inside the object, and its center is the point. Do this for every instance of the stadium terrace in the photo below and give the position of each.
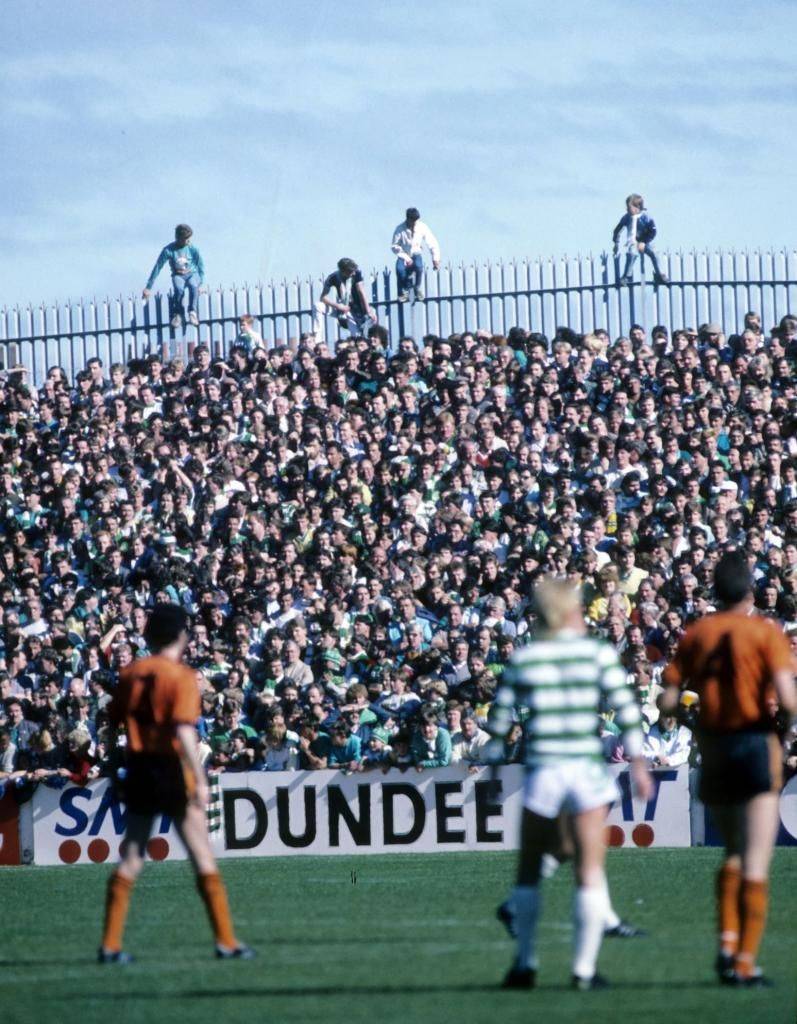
(355, 535)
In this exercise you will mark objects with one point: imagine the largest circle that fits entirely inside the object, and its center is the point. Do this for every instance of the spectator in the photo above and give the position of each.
(344, 749)
(468, 744)
(343, 293)
(667, 744)
(377, 752)
(431, 745)
(8, 754)
(188, 275)
(21, 731)
(248, 338)
(279, 751)
(640, 230)
(408, 241)
(313, 745)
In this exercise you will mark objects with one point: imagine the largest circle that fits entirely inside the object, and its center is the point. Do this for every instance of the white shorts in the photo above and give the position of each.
(569, 786)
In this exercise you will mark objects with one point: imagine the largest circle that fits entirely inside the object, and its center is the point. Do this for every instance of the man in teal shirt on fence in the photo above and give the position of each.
(188, 274)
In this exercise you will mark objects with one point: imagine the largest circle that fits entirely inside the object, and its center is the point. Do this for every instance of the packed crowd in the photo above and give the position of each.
(357, 534)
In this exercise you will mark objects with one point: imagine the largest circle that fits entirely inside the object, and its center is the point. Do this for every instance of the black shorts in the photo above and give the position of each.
(154, 784)
(739, 765)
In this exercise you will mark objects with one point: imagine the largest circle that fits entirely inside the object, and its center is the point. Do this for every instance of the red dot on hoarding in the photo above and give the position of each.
(98, 851)
(158, 848)
(642, 835)
(615, 836)
(69, 851)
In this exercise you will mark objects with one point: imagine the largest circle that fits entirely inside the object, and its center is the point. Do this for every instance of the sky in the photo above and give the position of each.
(289, 134)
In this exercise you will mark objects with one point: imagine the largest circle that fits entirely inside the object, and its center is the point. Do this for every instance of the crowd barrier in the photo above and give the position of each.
(580, 292)
(269, 814)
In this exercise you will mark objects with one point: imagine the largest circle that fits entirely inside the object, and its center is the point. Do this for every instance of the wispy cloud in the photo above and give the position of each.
(290, 135)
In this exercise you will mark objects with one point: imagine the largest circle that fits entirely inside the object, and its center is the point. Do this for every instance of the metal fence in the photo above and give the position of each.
(578, 292)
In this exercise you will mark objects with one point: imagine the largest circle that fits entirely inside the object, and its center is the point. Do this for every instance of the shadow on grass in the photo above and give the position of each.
(302, 992)
(72, 961)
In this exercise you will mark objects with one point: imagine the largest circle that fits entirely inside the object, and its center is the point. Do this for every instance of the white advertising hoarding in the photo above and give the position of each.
(267, 814)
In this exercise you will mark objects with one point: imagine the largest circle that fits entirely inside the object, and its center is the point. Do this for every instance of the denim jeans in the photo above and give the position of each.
(410, 275)
(181, 284)
(355, 323)
(631, 256)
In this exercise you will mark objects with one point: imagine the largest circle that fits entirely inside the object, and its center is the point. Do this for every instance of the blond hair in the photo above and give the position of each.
(555, 601)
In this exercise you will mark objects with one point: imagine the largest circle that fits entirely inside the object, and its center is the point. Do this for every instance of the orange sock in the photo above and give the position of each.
(753, 905)
(214, 896)
(117, 900)
(729, 884)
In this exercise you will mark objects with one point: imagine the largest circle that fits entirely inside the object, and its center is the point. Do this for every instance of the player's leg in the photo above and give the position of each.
(729, 821)
(614, 926)
(760, 827)
(592, 895)
(192, 828)
(536, 836)
(120, 886)
(559, 851)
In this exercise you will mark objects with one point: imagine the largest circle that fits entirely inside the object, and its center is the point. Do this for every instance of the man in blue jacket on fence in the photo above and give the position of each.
(640, 230)
(188, 274)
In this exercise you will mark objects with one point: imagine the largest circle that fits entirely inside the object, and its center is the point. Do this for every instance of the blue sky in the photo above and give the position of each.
(289, 134)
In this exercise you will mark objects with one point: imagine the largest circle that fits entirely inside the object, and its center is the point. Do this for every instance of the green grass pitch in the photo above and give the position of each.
(413, 939)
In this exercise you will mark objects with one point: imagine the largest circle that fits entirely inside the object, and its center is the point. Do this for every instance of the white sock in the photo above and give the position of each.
(526, 903)
(612, 918)
(589, 913)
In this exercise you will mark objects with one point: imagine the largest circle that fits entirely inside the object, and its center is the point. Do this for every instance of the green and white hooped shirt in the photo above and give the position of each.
(558, 685)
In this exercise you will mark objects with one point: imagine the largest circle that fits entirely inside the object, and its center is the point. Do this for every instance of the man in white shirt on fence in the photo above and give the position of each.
(408, 241)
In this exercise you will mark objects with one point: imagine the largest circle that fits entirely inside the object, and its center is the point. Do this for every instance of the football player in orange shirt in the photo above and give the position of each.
(157, 702)
(737, 662)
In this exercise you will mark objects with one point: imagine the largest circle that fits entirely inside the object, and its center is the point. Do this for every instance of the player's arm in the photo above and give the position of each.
(783, 681)
(627, 717)
(501, 715)
(189, 753)
(184, 710)
(781, 669)
(500, 719)
(117, 708)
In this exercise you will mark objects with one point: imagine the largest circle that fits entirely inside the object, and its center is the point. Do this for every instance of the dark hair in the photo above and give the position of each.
(164, 626)
(347, 265)
(183, 231)
(732, 579)
(412, 213)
